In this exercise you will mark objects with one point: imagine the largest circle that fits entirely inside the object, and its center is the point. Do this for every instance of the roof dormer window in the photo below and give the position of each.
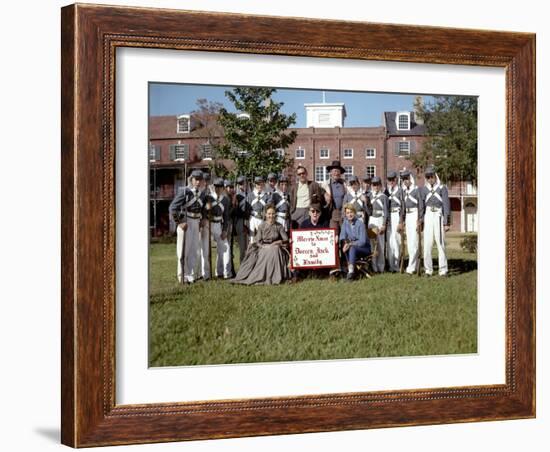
(403, 120)
(184, 124)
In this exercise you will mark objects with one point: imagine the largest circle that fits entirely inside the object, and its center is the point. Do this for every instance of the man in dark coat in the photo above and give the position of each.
(302, 195)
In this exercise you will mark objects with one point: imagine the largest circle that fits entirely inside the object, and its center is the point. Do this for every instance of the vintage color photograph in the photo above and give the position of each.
(298, 225)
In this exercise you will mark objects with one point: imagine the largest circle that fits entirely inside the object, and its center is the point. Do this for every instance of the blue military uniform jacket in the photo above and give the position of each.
(413, 200)
(188, 203)
(436, 197)
(396, 202)
(360, 202)
(281, 201)
(242, 210)
(219, 209)
(257, 201)
(379, 203)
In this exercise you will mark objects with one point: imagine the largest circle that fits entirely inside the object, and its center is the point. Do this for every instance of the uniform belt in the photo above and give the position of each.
(194, 215)
(256, 214)
(411, 209)
(216, 219)
(282, 214)
(377, 213)
(435, 209)
(395, 209)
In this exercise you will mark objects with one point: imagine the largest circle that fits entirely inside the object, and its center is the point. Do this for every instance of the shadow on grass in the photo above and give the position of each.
(460, 266)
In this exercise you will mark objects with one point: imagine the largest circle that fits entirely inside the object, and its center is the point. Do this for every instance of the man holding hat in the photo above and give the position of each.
(242, 214)
(257, 199)
(281, 200)
(437, 220)
(413, 209)
(218, 218)
(336, 191)
(187, 210)
(377, 224)
(394, 222)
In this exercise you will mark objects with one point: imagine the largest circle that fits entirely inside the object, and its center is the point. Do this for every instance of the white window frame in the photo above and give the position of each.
(280, 152)
(178, 128)
(347, 156)
(184, 147)
(367, 153)
(347, 174)
(402, 153)
(302, 151)
(325, 174)
(321, 153)
(373, 172)
(152, 152)
(202, 146)
(398, 116)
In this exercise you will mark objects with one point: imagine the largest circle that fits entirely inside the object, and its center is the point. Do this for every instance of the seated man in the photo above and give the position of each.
(314, 221)
(353, 238)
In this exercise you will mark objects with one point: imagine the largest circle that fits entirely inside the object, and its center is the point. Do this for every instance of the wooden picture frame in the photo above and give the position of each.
(90, 36)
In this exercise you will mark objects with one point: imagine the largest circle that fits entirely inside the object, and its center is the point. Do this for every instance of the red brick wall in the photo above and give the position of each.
(397, 163)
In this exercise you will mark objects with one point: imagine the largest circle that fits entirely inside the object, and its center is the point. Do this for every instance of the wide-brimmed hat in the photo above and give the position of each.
(336, 165)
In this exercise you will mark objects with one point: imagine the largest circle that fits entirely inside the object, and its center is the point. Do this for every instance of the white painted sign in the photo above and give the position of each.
(313, 248)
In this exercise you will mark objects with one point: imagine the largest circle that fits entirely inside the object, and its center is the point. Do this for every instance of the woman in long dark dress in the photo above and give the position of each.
(266, 261)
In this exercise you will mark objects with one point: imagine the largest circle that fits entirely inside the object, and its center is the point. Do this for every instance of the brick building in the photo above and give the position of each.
(176, 147)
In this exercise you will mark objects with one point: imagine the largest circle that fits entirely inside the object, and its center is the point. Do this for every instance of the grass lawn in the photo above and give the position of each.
(215, 322)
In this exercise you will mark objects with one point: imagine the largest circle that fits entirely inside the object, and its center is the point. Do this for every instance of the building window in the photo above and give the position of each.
(324, 153)
(403, 121)
(370, 153)
(154, 152)
(321, 174)
(349, 172)
(371, 171)
(207, 153)
(300, 153)
(280, 152)
(348, 153)
(179, 152)
(404, 148)
(184, 124)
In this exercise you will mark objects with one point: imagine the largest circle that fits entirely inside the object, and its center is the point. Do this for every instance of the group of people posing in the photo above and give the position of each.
(370, 221)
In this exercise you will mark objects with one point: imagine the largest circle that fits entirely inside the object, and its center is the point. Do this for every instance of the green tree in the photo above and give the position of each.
(451, 123)
(206, 126)
(251, 138)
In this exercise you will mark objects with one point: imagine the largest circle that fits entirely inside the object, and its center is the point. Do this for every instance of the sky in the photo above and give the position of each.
(363, 109)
